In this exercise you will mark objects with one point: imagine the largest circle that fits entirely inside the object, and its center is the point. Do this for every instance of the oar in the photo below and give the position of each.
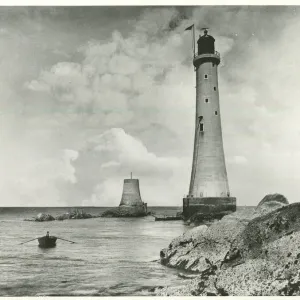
(28, 241)
(66, 240)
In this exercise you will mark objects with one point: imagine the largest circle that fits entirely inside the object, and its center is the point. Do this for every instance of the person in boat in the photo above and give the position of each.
(47, 235)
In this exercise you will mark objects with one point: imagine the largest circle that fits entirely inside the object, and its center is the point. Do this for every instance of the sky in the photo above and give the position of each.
(90, 94)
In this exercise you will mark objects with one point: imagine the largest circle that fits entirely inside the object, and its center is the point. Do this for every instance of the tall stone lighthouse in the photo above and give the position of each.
(209, 189)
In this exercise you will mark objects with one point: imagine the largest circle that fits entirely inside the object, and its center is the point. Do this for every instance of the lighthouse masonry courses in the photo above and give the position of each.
(209, 189)
(131, 204)
(131, 196)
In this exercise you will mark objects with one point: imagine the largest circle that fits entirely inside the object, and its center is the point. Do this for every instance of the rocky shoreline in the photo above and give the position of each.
(115, 212)
(252, 252)
(73, 215)
(126, 211)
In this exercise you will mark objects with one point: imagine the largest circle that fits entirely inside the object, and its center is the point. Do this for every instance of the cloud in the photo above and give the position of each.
(38, 184)
(239, 160)
(112, 156)
(124, 99)
(131, 152)
(35, 86)
(265, 103)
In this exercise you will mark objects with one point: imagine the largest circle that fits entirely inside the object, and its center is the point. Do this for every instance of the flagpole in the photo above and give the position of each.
(193, 40)
(192, 27)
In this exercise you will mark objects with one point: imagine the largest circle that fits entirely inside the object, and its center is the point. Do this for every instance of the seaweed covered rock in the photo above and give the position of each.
(125, 211)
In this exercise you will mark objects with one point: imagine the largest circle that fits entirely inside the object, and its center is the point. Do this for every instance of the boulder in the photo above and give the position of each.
(74, 215)
(264, 230)
(124, 211)
(270, 203)
(273, 198)
(42, 217)
(202, 246)
(271, 269)
(79, 214)
(62, 217)
(250, 252)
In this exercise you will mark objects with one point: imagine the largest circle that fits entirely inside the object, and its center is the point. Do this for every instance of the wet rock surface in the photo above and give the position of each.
(73, 215)
(201, 218)
(273, 198)
(125, 211)
(41, 217)
(252, 252)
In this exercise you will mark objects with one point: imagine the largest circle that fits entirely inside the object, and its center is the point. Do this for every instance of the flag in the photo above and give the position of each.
(192, 27)
(189, 28)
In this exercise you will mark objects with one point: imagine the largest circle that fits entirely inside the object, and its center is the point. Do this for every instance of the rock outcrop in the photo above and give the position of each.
(75, 214)
(193, 250)
(42, 217)
(131, 204)
(273, 198)
(250, 252)
(124, 211)
(201, 218)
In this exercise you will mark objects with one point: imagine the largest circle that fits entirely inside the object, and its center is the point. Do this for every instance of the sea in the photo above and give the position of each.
(110, 256)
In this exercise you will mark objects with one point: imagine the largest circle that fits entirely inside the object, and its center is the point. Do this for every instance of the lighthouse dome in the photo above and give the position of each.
(206, 44)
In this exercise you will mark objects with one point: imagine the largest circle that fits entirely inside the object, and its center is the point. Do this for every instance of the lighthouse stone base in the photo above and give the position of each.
(208, 206)
(127, 211)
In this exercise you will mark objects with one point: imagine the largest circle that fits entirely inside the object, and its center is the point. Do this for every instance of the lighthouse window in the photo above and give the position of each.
(216, 112)
(201, 127)
(205, 76)
(215, 88)
(206, 100)
(213, 64)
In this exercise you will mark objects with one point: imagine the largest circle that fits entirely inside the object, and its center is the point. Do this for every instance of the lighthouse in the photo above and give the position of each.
(131, 196)
(209, 188)
(131, 204)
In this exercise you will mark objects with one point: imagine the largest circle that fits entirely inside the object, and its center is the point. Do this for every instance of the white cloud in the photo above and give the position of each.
(117, 154)
(37, 185)
(239, 160)
(142, 82)
(35, 85)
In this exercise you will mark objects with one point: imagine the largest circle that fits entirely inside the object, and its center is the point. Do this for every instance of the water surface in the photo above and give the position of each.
(111, 256)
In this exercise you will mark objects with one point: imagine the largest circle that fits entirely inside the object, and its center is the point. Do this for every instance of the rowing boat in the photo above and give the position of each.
(47, 241)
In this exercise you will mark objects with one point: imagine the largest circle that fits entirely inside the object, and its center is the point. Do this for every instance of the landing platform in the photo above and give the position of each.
(168, 218)
(208, 205)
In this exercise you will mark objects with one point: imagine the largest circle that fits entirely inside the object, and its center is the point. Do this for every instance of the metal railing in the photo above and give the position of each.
(216, 53)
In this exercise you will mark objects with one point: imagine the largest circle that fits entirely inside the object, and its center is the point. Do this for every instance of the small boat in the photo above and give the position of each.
(47, 241)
